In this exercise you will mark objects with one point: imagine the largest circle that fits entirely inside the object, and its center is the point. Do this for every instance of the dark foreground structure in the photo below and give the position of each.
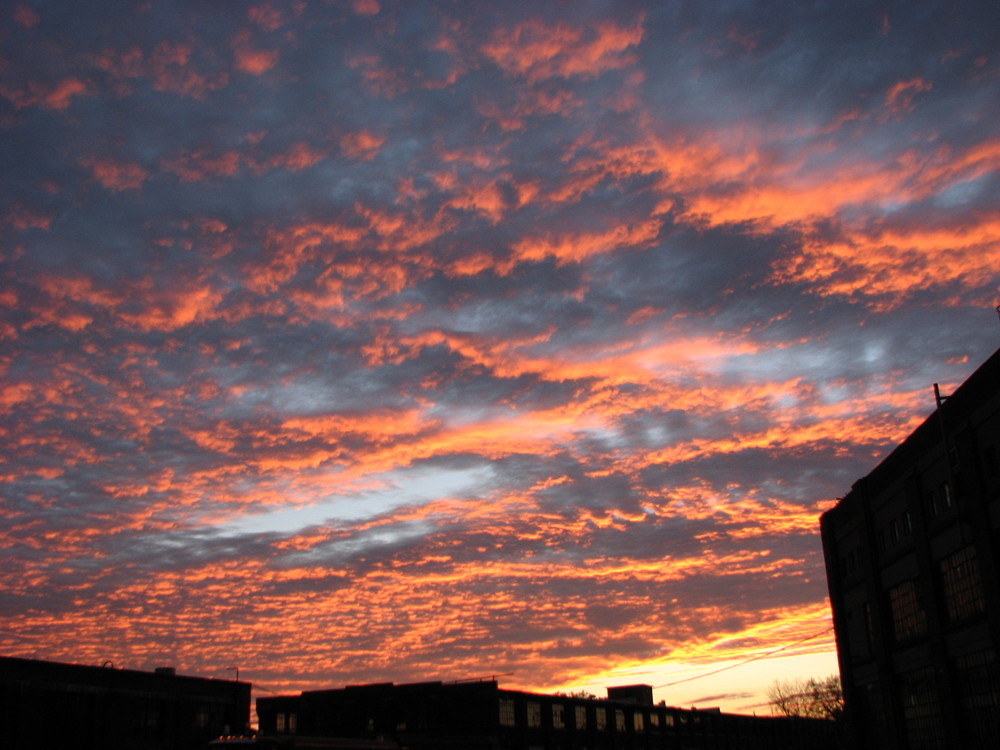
(48, 705)
(912, 564)
(474, 715)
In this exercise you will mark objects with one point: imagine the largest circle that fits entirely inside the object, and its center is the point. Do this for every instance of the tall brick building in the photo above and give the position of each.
(912, 561)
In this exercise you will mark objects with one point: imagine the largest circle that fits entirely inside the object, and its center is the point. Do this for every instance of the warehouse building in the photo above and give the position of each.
(912, 565)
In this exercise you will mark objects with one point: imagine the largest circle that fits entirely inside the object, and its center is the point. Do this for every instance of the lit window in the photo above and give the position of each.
(601, 718)
(280, 723)
(293, 723)
(619, 720)
(534, 714)
(581, 717)
(558, 717)
(669, 720)
(637, 722)
(908, 618)
(507, 716)
(654, 719)
(963, 588)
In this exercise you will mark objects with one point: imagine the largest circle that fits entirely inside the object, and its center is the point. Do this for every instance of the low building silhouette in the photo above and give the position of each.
(53, 705)
(912, 564)
(472, 715)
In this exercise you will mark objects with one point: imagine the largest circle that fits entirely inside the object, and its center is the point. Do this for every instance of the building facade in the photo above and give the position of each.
(471, 715)
(52, 705)
(912, 563)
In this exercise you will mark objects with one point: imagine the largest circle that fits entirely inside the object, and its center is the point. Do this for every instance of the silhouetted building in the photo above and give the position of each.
(48, 705)
(471, 715)
(911, 558)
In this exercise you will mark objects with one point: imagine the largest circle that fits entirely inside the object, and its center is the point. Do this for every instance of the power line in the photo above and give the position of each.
(745, 661)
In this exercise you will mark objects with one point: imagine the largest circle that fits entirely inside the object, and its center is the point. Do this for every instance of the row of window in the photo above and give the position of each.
(975, 681)
(937, 502)
(286, 723)
(581, 721)
(961, 589)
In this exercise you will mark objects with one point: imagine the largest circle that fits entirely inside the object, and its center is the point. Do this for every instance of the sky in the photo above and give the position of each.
(345, 342)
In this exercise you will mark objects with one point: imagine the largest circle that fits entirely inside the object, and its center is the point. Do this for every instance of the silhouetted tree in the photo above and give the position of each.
(578, 694)
(811, 698)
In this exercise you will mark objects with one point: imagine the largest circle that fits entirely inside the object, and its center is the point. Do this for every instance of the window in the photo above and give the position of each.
(859, 632)
(654, 719)
(619, 720)
(601, 718)
(507, 716)
(637, 722)
(922, 709)
(908, 618)
(963, 588)
(293, 723)
(669, 720)
(534, 714)
(979, 694)
(279, 725)
(894, 531)
(946, 498)
(558, 716)
(581, 717)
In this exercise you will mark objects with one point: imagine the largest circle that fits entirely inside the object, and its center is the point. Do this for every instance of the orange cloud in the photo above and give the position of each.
(361, 145)
(900, 96)
(117, 176)
(57, 96)
(26, 16)
(271, 18)
(22, 218)
(169, 67)
(198, 165)
(167, 310)
(251, 60)
(366, 7)
(576, 247)
(889, 264)
(540, 51)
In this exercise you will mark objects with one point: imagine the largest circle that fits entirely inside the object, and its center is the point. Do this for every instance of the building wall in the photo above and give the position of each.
(911, 555)
(481, 715)
(51, 705)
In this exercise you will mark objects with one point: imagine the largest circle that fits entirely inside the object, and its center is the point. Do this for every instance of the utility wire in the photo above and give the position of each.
(745, 661)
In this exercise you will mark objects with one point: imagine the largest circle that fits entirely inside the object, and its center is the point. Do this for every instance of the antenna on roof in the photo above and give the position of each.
(998, 311)
(938, 397)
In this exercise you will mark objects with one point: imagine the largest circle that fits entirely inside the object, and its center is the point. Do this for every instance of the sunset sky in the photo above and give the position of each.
(364, 341)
